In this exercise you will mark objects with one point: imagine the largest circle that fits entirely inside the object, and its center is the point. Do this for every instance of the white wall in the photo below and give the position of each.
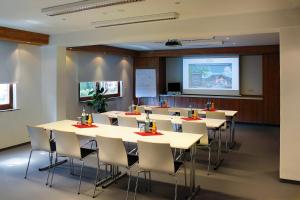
(20, 64)
(86, 66)
(289, 103)
(250, 73)
(54, 81)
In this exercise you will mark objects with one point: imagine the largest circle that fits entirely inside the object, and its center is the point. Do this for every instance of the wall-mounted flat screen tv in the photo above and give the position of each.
(87, 89)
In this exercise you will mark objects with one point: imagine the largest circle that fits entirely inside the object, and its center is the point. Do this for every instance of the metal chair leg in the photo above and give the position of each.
(80, 177)
(136, 185)
(150, 188)
(209, 159)
(53, 170)
(28, 164)
(175, 198)
(97, 174)
(145, 178)
(128, 187)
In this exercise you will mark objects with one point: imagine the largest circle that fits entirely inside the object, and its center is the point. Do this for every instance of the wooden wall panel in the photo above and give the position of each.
(21, 36)
(271, 88)
(265, 111)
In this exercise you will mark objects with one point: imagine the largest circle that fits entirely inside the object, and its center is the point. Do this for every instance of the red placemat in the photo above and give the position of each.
(190, 118)
(132, 113)
(148, 133)
(212, 110)
(84, 126)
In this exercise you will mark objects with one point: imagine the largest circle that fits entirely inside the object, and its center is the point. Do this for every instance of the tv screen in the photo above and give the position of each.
(174, 87)
(85, 90)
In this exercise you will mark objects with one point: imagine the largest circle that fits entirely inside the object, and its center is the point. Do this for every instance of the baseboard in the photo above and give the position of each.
(289, 181)
(14, 146)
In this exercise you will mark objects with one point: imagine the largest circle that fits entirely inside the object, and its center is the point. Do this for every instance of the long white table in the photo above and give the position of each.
(230, 115)
(212, 124)
(181, 141)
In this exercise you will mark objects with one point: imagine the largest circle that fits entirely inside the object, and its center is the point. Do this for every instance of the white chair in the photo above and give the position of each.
(141, 109)
(164, 125)
(160, 111)
(40, 141)
(157, 157)
(184, 112)
(111, 151)
(101, 118)
(68, 144)
(199, 128)
(127, 121)
(219, 115)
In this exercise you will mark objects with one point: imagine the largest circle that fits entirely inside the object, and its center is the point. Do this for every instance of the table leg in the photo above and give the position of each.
(232, 132)
(53, 165)
(220, 160)
(193, 189)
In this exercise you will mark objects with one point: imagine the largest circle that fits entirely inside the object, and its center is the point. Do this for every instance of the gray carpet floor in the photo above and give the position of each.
(249, 171)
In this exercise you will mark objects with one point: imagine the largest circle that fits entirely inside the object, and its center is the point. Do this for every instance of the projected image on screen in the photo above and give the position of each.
(211, 75)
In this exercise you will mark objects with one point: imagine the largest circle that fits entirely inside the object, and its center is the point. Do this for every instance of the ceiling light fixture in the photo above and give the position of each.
(137, 19)
(82, 5)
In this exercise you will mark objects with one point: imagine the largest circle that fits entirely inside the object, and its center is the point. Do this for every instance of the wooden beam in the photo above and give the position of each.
(246, 50)
(21, 36)
(105, 50)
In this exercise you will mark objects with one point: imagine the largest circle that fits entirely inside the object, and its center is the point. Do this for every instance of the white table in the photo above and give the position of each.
(212, 124)
(230, 115)
(181, 141)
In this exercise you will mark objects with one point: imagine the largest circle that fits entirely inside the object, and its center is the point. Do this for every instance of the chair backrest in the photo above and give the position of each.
(194, 127)
(156, 157)
(184, 112)
(112, 151)
(215, 115)
(127, 121)
(39, 138)
(161, 111)
(164, 125)
(141, 109)
(101, 118)
(67, 144)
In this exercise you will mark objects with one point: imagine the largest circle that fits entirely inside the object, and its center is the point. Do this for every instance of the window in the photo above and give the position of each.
(6, 96)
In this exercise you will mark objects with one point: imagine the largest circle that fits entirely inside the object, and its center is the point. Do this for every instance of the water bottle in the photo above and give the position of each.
(190, 111)
(83, 116)
(147, 122)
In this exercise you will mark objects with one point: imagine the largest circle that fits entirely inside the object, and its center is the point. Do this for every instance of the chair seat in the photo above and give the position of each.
(177, 165)
(85, 152)
(132, 159)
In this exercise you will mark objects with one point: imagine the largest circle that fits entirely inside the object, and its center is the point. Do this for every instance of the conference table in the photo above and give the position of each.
(127, 134)
(230, 116)
(212, 124)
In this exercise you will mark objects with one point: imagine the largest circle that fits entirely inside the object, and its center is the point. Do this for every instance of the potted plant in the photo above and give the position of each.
(98, 102)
